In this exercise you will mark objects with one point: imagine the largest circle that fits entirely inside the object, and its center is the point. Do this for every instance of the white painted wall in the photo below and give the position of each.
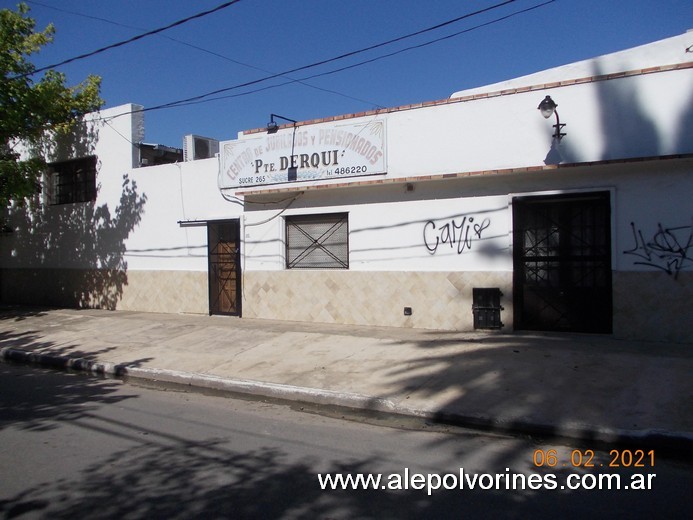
(118, 128)
(397, 235)
(391, 229)
(185, 191)
(173, 192)
(632, 116)
(669, 51)
(654, 217)
(79, 235)
(622, 118)
(180, 192)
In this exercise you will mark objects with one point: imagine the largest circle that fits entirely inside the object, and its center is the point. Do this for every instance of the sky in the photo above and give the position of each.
(255, 39)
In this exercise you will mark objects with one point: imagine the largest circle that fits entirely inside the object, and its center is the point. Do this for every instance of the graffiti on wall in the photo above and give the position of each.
(668, 249)
(458, 234)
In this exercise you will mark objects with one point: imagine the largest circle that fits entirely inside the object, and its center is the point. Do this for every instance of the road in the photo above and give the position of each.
(74, 446)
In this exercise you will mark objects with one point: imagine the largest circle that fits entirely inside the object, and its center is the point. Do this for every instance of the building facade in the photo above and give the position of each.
(473, 212)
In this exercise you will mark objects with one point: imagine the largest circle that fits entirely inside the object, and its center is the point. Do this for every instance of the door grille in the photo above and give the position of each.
(223, 242)
(562, 263)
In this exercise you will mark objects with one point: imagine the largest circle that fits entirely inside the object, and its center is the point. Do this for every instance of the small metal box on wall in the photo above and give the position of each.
(487, 308)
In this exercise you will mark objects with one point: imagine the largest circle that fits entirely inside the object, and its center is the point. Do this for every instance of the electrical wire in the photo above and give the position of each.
(130, 40)
(277, 215)
(425, 44)
(207, 51)
(335, 58)
(200, 98)
(108, 122)
(354, 65)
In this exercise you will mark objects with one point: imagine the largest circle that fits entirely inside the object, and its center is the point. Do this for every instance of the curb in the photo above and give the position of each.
(678, 443)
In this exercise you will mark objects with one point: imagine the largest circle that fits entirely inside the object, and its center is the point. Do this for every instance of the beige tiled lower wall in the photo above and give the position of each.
(149, 291)
(653, 305)
(439, 300)
(647, 305)
(166, 291)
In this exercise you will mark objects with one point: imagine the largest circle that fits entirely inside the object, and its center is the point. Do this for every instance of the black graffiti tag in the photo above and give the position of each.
(457, 234)
(668, 249)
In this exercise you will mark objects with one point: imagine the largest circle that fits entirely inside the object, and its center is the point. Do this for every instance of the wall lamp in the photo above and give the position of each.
(272, 126)
(548, 107)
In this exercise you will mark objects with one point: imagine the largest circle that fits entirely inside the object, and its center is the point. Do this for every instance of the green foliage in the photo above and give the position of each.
(33, 110)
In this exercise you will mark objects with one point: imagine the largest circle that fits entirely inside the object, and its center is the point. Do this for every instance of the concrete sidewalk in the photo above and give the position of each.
(589, 387)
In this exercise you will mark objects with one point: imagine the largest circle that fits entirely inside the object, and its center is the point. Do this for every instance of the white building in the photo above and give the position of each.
(469, 212)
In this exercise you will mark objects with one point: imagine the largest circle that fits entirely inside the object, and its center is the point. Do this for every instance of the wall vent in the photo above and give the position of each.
(487, 308)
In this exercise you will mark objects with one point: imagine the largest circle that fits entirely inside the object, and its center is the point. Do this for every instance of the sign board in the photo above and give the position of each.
(304, 153)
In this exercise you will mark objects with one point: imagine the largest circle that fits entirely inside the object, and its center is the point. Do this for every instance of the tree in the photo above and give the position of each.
(33, 111)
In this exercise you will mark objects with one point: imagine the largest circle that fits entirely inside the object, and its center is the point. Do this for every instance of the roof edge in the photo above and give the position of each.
(485, 95)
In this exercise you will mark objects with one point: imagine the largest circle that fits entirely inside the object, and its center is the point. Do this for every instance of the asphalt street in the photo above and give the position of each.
(77, 446)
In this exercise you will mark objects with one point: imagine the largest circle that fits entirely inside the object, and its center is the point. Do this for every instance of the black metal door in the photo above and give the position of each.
(223, 243)
(562, 263)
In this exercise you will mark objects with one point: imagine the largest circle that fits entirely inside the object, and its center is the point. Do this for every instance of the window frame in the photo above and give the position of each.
(332, 221)
(64, 184)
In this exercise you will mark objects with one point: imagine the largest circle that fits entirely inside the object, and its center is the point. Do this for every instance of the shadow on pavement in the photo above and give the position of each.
(70, 400)
(550, 384)
(180, 478)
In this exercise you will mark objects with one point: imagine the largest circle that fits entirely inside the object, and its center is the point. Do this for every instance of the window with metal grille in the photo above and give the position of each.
(317, 241)
(72, 181)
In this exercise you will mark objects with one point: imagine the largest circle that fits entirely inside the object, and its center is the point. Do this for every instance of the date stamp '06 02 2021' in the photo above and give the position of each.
(586, 458)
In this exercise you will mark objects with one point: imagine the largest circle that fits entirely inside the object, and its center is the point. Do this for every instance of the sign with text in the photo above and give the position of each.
(304, 154)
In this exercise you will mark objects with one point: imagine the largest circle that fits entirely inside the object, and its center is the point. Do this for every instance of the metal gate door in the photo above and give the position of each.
(223, 243)
(562, 262)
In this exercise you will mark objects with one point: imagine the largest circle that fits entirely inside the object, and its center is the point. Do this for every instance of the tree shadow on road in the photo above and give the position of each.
(171, 476)
(158, 471)
(72, 398)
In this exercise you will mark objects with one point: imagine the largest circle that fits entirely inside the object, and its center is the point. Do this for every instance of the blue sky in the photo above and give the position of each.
(254, 39)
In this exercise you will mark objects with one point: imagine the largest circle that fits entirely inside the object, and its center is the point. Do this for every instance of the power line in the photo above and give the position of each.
(200, 99)
(130, 40)
(181, 42)
(33, 2)
(330, 60)
(207, 51)
(425, 44)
